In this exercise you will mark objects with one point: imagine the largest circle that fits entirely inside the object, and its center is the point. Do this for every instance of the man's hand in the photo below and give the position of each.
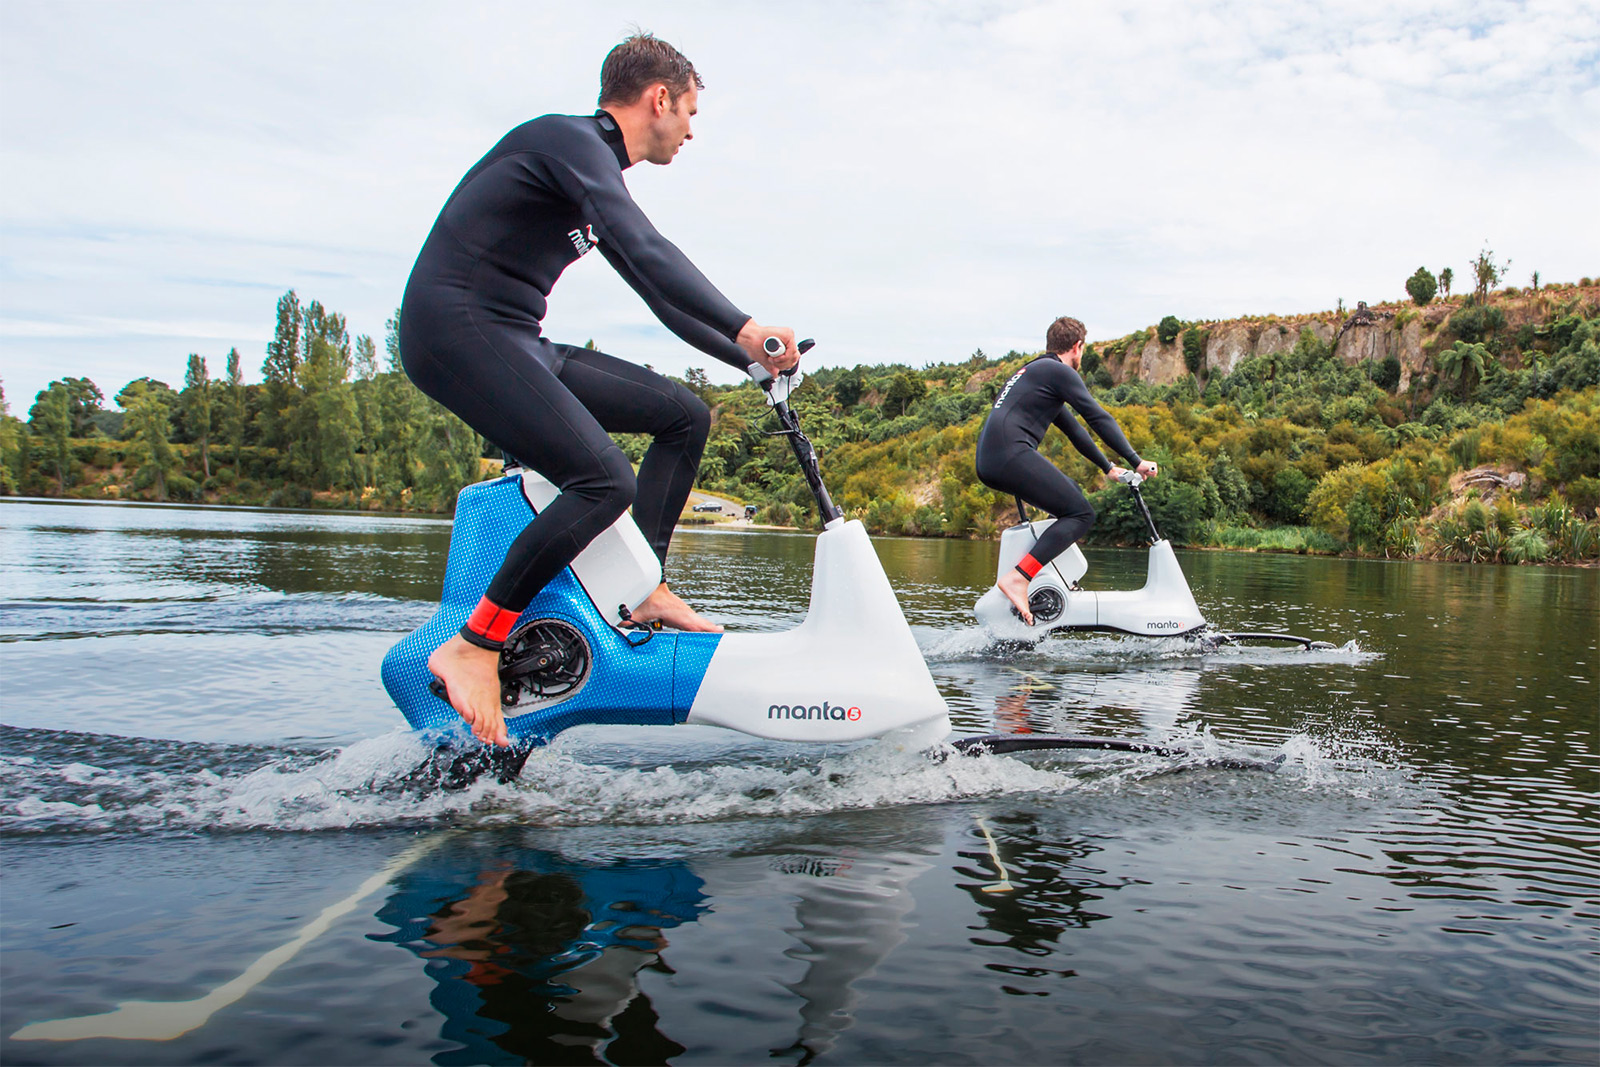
(753, 335)
(1115, 473)
(1147, 469)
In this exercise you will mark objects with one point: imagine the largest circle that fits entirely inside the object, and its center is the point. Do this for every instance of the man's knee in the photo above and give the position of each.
(692, 419)
(609, 483)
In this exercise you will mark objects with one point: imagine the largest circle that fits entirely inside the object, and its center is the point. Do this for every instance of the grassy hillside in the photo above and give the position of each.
(1295, 447)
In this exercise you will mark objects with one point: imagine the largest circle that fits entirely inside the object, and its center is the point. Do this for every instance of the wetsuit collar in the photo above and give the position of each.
(611, 134)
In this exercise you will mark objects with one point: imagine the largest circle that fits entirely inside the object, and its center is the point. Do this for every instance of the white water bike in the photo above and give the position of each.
(1163, 607)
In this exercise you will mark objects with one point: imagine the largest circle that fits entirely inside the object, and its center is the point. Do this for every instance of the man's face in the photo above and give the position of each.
(671, 127)
(1073, 357)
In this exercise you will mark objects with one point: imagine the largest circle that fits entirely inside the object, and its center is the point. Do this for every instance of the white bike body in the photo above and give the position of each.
(1164, 607)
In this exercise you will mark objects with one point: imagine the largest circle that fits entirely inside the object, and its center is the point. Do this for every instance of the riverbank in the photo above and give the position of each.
(1354, 435)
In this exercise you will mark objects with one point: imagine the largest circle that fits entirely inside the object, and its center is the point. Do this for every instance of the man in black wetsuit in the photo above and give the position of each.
(1038, 395)
(549, 192)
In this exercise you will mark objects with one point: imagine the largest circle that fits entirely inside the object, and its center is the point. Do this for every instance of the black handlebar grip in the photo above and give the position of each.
(772, 346)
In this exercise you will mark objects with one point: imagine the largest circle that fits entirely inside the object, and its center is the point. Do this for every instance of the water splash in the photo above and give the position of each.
(977, 644)
(142, 785)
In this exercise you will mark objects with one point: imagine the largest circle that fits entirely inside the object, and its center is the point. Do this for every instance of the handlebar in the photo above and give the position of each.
(1133, 480)
(774, 347)
(790, 428)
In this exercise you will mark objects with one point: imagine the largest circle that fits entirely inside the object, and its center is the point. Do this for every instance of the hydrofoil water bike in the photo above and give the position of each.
(575, 656)
(1163, 607)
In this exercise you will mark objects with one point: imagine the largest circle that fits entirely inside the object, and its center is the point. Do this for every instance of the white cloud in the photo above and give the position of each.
(902, 180)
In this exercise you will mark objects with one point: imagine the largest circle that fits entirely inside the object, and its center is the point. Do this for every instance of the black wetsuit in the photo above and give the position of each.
(1038, 395)
(548, 193)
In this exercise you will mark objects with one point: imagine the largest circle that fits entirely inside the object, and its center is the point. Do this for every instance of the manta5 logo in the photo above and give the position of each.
(1001, 399)
(1172, 624)
(583, 240)
(836, 712)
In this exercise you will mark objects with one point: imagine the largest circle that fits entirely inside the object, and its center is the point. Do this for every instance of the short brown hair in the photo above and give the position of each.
(1063, 335)
(641, 61)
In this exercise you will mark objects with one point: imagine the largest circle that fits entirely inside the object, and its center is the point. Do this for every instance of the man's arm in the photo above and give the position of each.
(1098, 418)
(1080, 439)
(689, 329)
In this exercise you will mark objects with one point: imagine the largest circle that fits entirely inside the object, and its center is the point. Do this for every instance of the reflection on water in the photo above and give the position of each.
(548, 959)
(539, 958)
(196, 757)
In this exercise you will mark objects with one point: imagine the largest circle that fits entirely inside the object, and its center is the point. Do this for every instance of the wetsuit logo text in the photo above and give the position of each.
(1001, 399)
(583, 240)
(826, 711)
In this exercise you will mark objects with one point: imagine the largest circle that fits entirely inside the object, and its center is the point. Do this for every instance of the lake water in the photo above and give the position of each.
(200, 767)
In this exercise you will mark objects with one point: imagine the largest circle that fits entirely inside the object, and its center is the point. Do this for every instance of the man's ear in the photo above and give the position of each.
(660, 101)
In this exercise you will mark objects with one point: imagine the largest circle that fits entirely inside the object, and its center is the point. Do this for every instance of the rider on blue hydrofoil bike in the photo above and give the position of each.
(1008, 459)
(549, 192)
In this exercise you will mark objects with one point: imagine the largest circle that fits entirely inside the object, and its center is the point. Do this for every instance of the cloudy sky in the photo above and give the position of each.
(903, 181)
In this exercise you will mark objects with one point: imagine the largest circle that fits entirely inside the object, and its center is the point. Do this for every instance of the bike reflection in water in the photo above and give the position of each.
(1099, 702)
(848, 919)
(538, 957)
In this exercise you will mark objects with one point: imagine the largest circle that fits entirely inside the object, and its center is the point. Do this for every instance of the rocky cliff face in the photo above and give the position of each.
(1399, 330)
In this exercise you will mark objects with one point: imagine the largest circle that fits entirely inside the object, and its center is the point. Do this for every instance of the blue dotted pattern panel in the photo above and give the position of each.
(628, 684)
(694, 657)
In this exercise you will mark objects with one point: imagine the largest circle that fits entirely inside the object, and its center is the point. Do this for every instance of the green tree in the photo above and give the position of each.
(84, 400)
(1464, 363)
(50, 419)
(1386, 373)
(906, 389)
(369, 411)
(1446, 276)
(402, 412)
(1233, 488)
(280, 373)
(233, 409)
(1168, 329)
(325, 424)
(197, 407)
(451, 458)
(149, 424)
(700, 385)
(1091, 361)
(847, 388)
(1194, 349)
(1422, 287)
(13, 448)
(1290, 489)
(1486, 274)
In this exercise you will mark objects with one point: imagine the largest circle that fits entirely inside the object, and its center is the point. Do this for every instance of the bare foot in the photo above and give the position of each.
(471, 675)
(1015, 587)
(666, 607)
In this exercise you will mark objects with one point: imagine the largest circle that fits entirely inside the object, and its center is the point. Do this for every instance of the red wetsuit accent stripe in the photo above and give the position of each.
(491, 621)
(1029, 566)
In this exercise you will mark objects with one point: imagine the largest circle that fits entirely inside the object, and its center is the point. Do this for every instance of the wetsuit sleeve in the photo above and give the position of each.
(689, 329)
(1081, 440)
(655, 267)
(1098, 418)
